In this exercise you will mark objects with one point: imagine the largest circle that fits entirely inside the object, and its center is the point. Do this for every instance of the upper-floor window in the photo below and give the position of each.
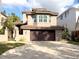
(34, 18)
(42, 18)
(67, 13)
(61, 17)
(45, 18)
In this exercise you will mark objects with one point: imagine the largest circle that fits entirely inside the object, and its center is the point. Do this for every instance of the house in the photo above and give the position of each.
(69, 19)
(3, 32)
(40, 25)
(3, 18)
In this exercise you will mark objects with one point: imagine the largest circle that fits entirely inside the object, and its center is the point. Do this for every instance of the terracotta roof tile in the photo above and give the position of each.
(42, 28)
(40, 11)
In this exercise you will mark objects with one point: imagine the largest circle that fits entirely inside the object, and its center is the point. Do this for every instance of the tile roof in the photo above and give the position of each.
(3, 14)
(40, 11)
(41, 28)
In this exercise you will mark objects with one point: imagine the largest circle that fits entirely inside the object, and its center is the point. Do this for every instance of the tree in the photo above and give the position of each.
(10, 24)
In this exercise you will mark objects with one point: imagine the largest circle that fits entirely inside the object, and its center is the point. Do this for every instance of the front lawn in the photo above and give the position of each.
(73, 42)
(70, 41)
(6, 46)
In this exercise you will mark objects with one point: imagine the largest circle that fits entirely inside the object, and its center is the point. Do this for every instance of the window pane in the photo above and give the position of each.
(34, 17)
(40, 18)
(35, 20)
(45, 18)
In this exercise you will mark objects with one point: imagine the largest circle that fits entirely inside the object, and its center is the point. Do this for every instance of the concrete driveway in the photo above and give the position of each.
(43, 50)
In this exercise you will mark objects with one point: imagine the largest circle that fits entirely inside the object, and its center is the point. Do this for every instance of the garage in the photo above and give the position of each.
(34, 33)
(42, 35)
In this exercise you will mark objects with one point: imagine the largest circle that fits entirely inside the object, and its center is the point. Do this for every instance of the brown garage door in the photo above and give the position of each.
(42, 35)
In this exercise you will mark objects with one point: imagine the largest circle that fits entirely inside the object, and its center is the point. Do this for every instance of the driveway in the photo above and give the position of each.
(43, 50)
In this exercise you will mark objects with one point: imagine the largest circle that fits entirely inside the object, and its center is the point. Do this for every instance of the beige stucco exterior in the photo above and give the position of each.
(4, 37)
(2, 19)
(51, 21)
(25, 36)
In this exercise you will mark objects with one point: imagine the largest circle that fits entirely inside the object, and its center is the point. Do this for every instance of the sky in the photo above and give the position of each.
(17, 6)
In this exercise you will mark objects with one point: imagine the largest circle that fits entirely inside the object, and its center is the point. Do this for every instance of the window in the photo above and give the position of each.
(61, 17)
(45, 18)
(34, 18)
(50, 19)
(66, 13)
(42, 18)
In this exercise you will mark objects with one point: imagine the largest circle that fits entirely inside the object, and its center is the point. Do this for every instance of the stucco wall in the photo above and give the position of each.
(30, 20)
(25, 36)
(51, 21)
(24, 18)
(4, 37)
(4, 19)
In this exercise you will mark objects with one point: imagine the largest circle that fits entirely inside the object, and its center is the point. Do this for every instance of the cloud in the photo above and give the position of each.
(54, 5)
(15, 5)
(15, 2)
(18, 6)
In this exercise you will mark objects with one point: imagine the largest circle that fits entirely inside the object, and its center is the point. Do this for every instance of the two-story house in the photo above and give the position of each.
(69, 19)
(41, 25)
(3, 18)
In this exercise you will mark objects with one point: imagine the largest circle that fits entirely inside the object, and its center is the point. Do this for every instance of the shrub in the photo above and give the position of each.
(65, 34)
(22, 39)
(2, 31)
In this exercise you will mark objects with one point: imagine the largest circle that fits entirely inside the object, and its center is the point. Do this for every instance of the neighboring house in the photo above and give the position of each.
(3, 36)
(3, 18)
(39, 24)
(69, 19)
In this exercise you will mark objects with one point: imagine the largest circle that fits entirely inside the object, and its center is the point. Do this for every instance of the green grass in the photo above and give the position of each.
(70, 42)
(73, 42)
(6, 46)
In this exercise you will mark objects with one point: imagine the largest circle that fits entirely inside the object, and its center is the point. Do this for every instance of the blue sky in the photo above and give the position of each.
(17, 6)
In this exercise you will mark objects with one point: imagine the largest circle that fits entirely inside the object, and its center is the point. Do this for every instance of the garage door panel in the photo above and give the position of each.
(42, 35)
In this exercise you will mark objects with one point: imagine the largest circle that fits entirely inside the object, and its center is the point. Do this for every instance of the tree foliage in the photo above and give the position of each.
(10, 23)
(65, 34)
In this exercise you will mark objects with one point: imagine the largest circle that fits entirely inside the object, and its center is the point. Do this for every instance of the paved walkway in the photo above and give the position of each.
(43, 50)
